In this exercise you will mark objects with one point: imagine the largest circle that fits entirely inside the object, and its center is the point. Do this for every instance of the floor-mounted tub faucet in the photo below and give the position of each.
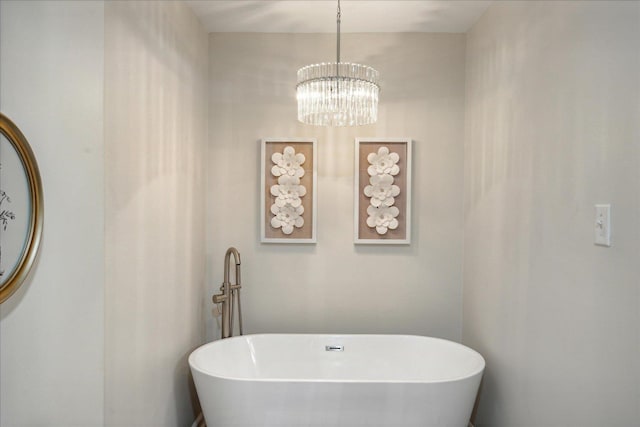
(230, 294)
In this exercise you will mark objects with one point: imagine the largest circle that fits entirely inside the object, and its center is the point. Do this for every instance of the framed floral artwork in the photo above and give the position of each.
(382, 191)
(288, 190)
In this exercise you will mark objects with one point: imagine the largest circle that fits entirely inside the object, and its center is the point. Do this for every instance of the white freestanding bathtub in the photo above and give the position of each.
(283, 380)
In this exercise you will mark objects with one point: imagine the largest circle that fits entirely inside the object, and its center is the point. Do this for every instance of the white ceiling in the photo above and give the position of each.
(319, 16)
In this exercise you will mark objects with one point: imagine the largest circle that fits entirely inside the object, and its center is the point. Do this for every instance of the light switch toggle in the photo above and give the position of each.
(602, 228)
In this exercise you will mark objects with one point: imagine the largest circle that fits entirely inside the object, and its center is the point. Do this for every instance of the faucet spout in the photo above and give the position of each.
(227, 260)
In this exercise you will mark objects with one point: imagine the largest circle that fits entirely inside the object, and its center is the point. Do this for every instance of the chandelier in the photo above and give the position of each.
(337, 93)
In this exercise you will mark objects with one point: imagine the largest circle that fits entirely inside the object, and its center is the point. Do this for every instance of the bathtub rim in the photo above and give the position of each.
(474, 373)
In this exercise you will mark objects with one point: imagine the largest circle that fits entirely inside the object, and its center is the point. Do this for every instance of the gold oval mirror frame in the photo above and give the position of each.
(31, 242)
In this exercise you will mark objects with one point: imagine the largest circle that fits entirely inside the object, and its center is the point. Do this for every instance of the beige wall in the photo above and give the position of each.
(552, 107)
(52, 329)
(155, 135)
(553, 101)
(334, 286)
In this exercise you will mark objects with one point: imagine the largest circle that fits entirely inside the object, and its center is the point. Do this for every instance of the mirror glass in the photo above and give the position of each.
(21, 212)
(15, 209)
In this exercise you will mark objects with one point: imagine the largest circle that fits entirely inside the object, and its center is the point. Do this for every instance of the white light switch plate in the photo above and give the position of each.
(602, 225)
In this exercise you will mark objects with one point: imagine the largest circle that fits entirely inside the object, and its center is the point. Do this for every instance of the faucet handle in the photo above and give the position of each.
(219, 298)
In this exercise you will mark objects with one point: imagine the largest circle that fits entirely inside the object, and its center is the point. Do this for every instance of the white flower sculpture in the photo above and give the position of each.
(288, 209)
(382, 192)
(383, 218)
(288, 191)
(383, 162)
(288, 163)
(287, 217)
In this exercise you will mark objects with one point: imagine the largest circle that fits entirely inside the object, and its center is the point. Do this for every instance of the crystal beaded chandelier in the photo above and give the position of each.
(337, 93)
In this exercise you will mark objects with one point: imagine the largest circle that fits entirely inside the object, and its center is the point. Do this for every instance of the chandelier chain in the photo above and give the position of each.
(338, 19)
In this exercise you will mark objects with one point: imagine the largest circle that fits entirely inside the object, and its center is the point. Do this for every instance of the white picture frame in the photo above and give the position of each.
(381, 224)
(282, 204)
